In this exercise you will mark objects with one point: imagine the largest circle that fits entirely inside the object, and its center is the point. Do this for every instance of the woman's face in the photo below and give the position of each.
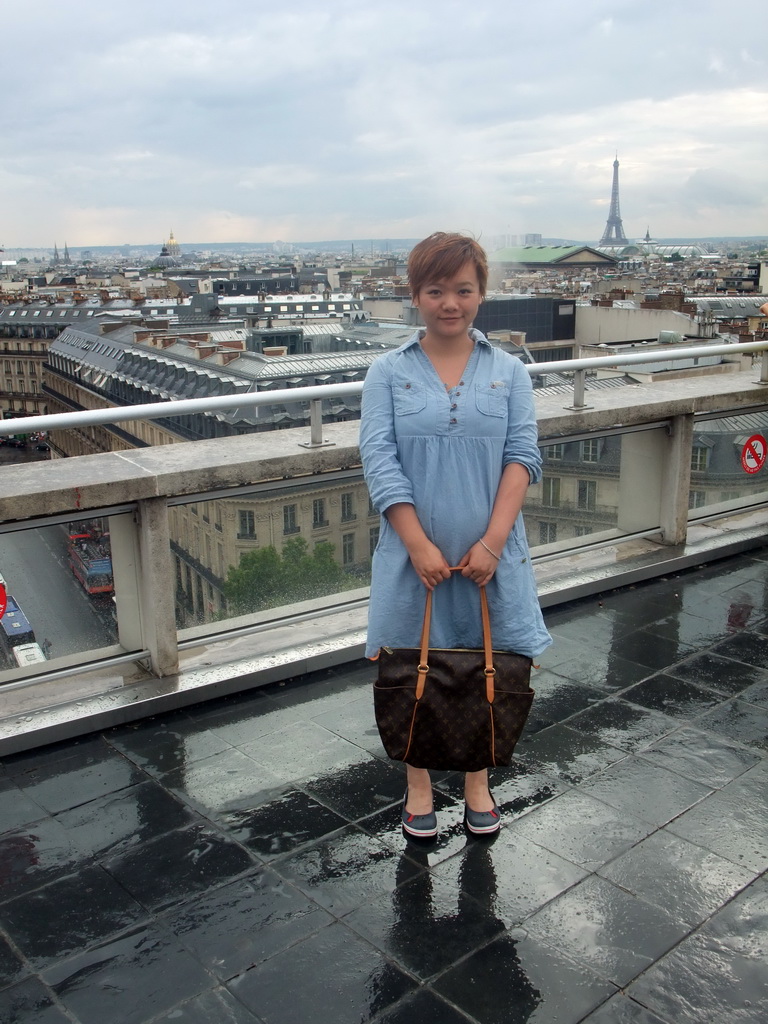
(449, 306)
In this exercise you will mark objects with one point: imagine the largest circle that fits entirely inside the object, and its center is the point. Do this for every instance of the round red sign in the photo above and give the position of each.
(3, 599)
(753, 454)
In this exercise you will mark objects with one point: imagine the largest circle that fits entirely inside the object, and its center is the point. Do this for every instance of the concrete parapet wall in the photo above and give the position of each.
(609, 325)
(104, 480)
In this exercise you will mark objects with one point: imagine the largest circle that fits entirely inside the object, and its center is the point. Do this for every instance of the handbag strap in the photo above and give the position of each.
(423, 668)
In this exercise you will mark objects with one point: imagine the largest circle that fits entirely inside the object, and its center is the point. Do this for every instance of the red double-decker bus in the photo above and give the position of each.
(90, 560)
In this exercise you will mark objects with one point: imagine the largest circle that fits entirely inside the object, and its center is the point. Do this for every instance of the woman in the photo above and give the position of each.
(448, 443)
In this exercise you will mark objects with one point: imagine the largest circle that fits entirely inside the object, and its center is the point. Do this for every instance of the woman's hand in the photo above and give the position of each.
(426, 558)
(479, 564)
(429, 563)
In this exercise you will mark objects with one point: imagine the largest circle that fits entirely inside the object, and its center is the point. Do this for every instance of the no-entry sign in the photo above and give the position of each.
(753, 454)
(3, 599)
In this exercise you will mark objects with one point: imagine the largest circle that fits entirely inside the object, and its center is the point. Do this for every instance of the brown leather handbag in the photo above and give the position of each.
(452, 709)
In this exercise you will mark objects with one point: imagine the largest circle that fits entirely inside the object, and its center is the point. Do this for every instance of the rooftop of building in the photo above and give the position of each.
(242, 860)
(548, 254)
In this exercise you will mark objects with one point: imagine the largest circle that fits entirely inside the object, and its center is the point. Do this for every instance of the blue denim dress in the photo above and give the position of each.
(444, 452)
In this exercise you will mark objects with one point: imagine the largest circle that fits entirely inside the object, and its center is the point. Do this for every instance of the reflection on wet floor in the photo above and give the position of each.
(242, 861)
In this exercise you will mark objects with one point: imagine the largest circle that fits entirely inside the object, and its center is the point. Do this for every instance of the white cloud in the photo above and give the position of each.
(247, 123)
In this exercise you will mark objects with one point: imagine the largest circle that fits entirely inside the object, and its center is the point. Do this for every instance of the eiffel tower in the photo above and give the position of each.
(614, 229)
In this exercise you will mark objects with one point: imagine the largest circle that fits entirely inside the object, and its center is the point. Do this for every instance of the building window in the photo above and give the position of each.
(347, 507)
(290, 524)
(347, 548)
(318, 513)
(582, 531)
(590, 450)
(696, 499)
(373, 539)
(247, 523)
(587, 498)
(699, 458)
(550, 491)
(547, 533)
(554, 452)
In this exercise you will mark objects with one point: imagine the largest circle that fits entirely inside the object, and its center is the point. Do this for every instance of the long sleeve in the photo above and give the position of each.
(384, 476)
(522, 433)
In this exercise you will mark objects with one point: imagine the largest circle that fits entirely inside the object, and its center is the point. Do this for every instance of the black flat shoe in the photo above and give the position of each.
(422, 826)
(482, 823)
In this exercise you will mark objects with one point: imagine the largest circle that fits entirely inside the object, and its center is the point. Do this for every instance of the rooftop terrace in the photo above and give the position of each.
(241, 861)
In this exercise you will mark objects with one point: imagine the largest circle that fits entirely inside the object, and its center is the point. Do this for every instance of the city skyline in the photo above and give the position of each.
(345, 122)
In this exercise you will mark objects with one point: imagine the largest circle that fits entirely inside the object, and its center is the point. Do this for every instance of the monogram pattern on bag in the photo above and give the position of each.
(454, 726)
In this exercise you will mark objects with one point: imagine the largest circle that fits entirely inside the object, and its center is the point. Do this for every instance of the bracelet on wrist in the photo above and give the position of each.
(497, 557)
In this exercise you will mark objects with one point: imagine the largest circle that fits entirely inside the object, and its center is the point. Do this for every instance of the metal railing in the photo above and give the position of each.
(316, 394)
(173, 658)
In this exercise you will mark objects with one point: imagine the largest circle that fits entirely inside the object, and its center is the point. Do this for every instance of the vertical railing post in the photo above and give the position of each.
(763, 367)
(157, 598)
(579, 386)
(315, 426)
(316, 421)
(676, 481)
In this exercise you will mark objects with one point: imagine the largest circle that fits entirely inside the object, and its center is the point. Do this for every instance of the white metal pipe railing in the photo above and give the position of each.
(290, 396)
(659, 354)
(176, 407)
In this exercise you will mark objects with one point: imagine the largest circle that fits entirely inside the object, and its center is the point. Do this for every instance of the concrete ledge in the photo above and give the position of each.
(114, 478)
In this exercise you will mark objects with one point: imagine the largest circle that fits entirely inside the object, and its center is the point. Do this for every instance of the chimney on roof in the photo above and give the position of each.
(112, 325)
(275, 350)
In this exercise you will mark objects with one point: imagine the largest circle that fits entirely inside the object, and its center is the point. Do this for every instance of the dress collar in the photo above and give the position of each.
(477, 336)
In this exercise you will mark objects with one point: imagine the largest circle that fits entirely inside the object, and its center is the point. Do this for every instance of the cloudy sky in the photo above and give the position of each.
(228, 121)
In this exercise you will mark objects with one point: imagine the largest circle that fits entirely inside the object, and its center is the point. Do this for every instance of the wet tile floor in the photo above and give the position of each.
(242, 861)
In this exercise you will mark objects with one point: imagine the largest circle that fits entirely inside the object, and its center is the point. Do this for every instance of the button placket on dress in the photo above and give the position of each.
(453, 394)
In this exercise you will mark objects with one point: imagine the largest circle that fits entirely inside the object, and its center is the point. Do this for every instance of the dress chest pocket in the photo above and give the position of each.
(408, 398)
(491, 399)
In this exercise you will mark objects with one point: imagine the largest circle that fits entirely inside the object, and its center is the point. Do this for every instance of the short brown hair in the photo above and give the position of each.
(443, 254)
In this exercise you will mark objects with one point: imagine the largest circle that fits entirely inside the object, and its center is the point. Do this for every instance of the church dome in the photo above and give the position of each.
(164, 259)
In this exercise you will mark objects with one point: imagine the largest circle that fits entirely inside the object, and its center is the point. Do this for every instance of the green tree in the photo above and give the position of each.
(255, 581)
(264, 578)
